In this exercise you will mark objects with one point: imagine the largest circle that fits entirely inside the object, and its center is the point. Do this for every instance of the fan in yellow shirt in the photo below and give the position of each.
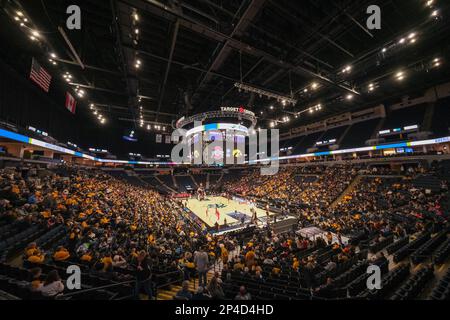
(223, 253)
(107, 262)
(295, 264)
(61, 254)
(46, 214)
(87, 257)
(36, 258)
(104, 220)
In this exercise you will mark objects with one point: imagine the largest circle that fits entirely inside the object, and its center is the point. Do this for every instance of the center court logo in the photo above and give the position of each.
(198, 149)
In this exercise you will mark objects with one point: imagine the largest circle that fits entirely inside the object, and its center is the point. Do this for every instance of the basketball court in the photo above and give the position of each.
(231, 210)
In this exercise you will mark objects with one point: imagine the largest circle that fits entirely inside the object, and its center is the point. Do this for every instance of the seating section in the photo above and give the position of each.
(427, 248)
(200, 179)
(306, 143)
(185, 183)
(101, 222)
(381, 244)
(155, 184)
(442, 290)
(405, 117)
(359, 133)
(427, 182)
(213, 181)
(441, 119)
(167, 180)
(388, 283)
(11, 245)
(442, 253)
(393, 247)
(414, 286)
(405, 251)
(17, 282)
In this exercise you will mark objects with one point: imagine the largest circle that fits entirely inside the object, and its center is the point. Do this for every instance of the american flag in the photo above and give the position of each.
(40, 76)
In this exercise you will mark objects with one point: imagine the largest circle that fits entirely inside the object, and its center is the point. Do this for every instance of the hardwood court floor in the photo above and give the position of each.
(226, 209)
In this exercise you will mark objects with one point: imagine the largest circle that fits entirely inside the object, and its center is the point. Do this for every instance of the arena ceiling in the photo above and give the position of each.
(158, 60)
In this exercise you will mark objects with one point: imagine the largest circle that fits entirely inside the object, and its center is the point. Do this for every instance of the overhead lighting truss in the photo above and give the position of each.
(283, 99)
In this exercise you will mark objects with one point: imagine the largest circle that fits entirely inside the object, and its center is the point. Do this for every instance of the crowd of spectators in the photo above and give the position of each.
(111, 224)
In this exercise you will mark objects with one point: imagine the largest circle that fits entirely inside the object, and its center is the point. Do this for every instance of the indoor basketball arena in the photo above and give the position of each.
(239, 150)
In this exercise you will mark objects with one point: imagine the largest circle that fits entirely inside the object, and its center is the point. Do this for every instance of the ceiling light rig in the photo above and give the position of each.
(347, 69)
(96, 113)
(310, 110)
(424, 65)
(67, 76)
(284, 100)
(436, 62)
(410, 38)
(21, 18)
(80, 92)
(135, 37)
(138, 64)
(286, 119)
(399, 76)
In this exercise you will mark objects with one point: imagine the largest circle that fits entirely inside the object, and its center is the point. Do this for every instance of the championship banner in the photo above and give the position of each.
(159, 138)
(167, 139)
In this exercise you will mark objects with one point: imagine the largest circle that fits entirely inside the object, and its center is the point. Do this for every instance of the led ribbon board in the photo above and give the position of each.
(356, 150)
(24, 139)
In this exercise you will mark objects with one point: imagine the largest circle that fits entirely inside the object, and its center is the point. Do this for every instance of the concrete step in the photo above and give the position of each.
(170, 292)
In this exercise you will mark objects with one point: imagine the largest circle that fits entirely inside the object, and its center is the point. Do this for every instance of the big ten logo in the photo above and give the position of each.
(73, 282)
(73, 21)
(374, 20)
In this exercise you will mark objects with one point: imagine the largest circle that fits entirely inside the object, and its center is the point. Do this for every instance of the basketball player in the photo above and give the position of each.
(254, 217)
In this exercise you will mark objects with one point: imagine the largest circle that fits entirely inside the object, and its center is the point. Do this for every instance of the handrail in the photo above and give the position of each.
(167, 273)
(71, 294)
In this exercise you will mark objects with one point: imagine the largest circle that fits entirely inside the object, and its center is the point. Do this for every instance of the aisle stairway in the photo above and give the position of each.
(165, 185)
(349, 189)
(193, 180)
(170, 292)
(174, 181)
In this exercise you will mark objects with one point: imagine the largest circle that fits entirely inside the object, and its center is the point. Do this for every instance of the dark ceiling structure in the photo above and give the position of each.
(146, 63)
